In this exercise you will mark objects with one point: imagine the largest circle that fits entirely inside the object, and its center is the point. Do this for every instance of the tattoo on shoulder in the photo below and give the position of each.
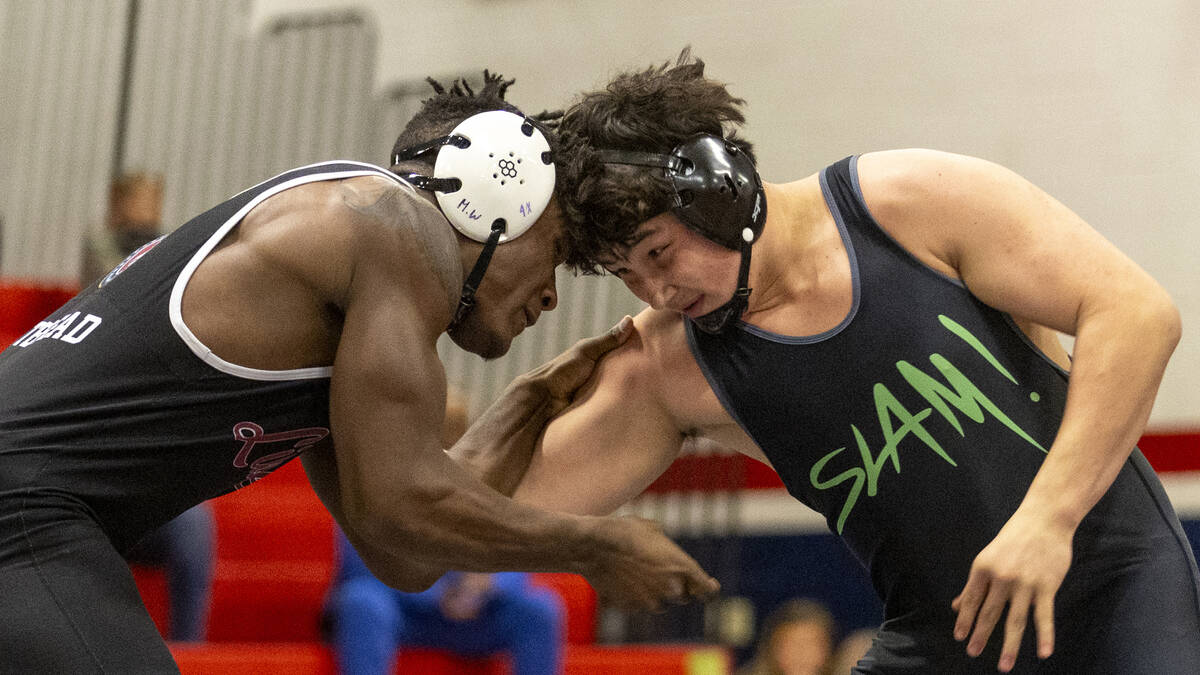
(421, 221)
(375, 200)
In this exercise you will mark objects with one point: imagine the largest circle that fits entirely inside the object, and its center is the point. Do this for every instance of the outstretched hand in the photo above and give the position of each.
(636, 567)
(1023, 567)
(566, 373)
(497, 449)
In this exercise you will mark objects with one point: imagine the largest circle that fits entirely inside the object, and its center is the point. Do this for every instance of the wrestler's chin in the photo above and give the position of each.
(477, 338)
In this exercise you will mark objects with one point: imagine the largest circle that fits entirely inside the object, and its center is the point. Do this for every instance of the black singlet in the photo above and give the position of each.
(915, 427)
(114, 418)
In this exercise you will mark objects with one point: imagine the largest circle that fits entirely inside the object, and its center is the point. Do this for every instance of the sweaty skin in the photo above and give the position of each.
(1016, 248)
(363, 275)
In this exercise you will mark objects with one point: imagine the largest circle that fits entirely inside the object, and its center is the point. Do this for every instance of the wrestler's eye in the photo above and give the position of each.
(619, 272)
(655, 253)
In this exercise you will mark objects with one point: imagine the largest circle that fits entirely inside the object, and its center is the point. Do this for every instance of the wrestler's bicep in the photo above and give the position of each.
(612, 442)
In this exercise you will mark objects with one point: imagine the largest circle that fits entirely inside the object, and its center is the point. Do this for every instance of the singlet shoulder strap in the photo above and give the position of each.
(841, 181)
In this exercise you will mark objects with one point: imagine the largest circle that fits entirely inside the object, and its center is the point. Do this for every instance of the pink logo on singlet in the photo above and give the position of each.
(252, 435)
(133, 257)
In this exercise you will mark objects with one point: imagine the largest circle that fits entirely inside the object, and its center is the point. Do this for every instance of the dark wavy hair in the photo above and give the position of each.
(651, 110)
(443, 111)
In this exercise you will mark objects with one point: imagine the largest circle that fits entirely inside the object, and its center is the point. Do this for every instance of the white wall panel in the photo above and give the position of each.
(236, 107)
(212, 106)
(60, 63)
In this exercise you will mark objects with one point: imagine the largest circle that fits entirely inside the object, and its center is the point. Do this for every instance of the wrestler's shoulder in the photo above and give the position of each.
(387, 217)
(347, 207)
(380, 200)
(668, 373)
(663, 335)
(366, 227)
(642, 356)
(658, 324)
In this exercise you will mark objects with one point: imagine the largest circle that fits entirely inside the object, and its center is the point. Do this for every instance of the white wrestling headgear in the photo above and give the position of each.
(506, 173)
(493, 177)
(495, 165)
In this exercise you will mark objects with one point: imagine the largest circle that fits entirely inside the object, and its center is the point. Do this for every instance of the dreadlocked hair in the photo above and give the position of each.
(443, 111)
(652, 110)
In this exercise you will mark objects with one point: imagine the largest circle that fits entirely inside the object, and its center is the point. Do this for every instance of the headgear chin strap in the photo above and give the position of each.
(492, 179)
(718, 193)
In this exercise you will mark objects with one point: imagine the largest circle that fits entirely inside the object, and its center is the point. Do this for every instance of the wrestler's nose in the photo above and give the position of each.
(660, 294)
(550, 295)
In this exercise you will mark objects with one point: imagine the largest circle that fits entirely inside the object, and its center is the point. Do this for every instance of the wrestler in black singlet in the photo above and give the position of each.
(915, 427)
(114, 418)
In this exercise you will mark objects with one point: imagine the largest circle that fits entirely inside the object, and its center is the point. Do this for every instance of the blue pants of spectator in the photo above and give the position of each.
(183, 548)
(369, 621)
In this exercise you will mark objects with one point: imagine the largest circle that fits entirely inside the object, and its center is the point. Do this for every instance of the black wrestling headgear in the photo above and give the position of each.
(717, 193)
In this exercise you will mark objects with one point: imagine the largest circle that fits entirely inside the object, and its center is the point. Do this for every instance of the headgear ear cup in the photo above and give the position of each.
(717, 193)
(505, 174)
(715, 186)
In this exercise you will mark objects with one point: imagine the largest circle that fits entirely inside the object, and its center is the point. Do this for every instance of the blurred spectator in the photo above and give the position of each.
(134, 217)
(183, 548)
(796, 639)
(852, 648)
(469, 614)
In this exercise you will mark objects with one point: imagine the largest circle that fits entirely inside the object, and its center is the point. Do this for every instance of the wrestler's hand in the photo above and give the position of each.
(562, 376)
(497, 449)
(637, 567)
(1023, 567)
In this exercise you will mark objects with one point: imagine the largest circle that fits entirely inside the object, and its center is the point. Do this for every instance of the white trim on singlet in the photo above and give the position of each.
(175, 306)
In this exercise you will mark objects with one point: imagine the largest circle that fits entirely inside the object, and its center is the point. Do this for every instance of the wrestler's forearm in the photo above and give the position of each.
(438, 518)
(498, 447)
(408, 574)
(1119, 359)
